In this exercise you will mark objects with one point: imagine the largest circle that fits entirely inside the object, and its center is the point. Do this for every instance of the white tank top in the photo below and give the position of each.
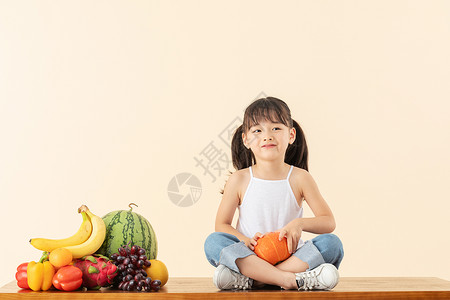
(268, 205)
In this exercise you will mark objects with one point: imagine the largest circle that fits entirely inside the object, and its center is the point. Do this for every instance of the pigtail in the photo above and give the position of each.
(241, 156)
(297, 152)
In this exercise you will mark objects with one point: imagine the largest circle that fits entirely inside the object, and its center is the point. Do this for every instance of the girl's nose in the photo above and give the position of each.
(268, 138)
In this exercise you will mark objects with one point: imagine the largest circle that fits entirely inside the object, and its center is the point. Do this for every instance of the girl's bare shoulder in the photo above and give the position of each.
(235, 178)
(239, 181)
(243, 173)
(299, 172)
(299, 177)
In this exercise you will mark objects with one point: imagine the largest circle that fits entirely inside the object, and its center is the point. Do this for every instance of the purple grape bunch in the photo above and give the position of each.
(131, 276)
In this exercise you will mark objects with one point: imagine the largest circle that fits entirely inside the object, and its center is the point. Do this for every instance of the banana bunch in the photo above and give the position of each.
(85, 241)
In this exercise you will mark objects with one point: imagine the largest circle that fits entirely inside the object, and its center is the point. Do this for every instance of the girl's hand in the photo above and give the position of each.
(293, 232)
(251, 242)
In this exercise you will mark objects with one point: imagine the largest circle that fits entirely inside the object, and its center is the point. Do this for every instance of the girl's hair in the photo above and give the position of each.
(276, 111)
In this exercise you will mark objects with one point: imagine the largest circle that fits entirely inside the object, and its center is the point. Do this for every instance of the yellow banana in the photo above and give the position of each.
(96, 239)
(81, 236)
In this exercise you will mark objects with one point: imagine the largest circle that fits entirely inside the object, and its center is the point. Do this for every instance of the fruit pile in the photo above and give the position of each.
(77, 261)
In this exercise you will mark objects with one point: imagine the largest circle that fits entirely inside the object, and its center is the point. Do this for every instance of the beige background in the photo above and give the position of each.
(103, 102)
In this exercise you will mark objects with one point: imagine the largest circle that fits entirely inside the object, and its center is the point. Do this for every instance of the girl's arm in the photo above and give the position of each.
(323, 220)
(227, 208)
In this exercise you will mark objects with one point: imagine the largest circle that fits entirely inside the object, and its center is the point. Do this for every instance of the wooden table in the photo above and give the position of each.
(203, 288)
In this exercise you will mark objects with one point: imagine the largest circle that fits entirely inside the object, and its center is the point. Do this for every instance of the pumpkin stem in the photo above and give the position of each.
(129, 205)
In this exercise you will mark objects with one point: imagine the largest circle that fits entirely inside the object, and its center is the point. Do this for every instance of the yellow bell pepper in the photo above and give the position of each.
(40, 274)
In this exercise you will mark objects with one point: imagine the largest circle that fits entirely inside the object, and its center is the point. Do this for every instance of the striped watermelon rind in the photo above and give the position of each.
(124, 226)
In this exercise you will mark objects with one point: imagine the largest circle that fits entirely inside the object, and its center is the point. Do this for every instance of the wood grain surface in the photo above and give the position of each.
(203, 288)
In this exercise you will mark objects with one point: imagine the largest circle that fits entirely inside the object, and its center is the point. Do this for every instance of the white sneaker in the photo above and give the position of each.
(227, 279)
(324, 277)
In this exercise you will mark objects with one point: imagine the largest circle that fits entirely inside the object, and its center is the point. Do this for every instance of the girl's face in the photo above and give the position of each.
(269, 140)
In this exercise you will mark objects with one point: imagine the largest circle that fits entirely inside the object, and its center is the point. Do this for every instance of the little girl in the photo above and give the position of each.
(270, 155)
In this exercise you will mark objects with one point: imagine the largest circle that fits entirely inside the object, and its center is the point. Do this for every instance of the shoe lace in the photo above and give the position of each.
(242, 282)
(309, 280)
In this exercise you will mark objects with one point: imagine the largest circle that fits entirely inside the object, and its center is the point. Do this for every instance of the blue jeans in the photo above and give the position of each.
(224, 248)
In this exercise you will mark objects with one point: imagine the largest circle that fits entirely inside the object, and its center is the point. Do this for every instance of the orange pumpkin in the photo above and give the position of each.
(271, 249)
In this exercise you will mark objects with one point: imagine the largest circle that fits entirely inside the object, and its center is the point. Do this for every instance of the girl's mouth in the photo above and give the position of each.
(268, 146)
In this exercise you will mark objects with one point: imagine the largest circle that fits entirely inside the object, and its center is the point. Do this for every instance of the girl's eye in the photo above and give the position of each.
(254, 131)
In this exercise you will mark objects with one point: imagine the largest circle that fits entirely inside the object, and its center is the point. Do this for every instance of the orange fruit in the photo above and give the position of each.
(60, 257)
(158, 270)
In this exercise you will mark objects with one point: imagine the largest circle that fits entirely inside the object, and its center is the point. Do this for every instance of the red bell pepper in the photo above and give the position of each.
(68, 278)
(21, 276)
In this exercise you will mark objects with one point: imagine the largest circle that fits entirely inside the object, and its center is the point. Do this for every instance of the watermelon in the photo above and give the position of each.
(126, 226)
